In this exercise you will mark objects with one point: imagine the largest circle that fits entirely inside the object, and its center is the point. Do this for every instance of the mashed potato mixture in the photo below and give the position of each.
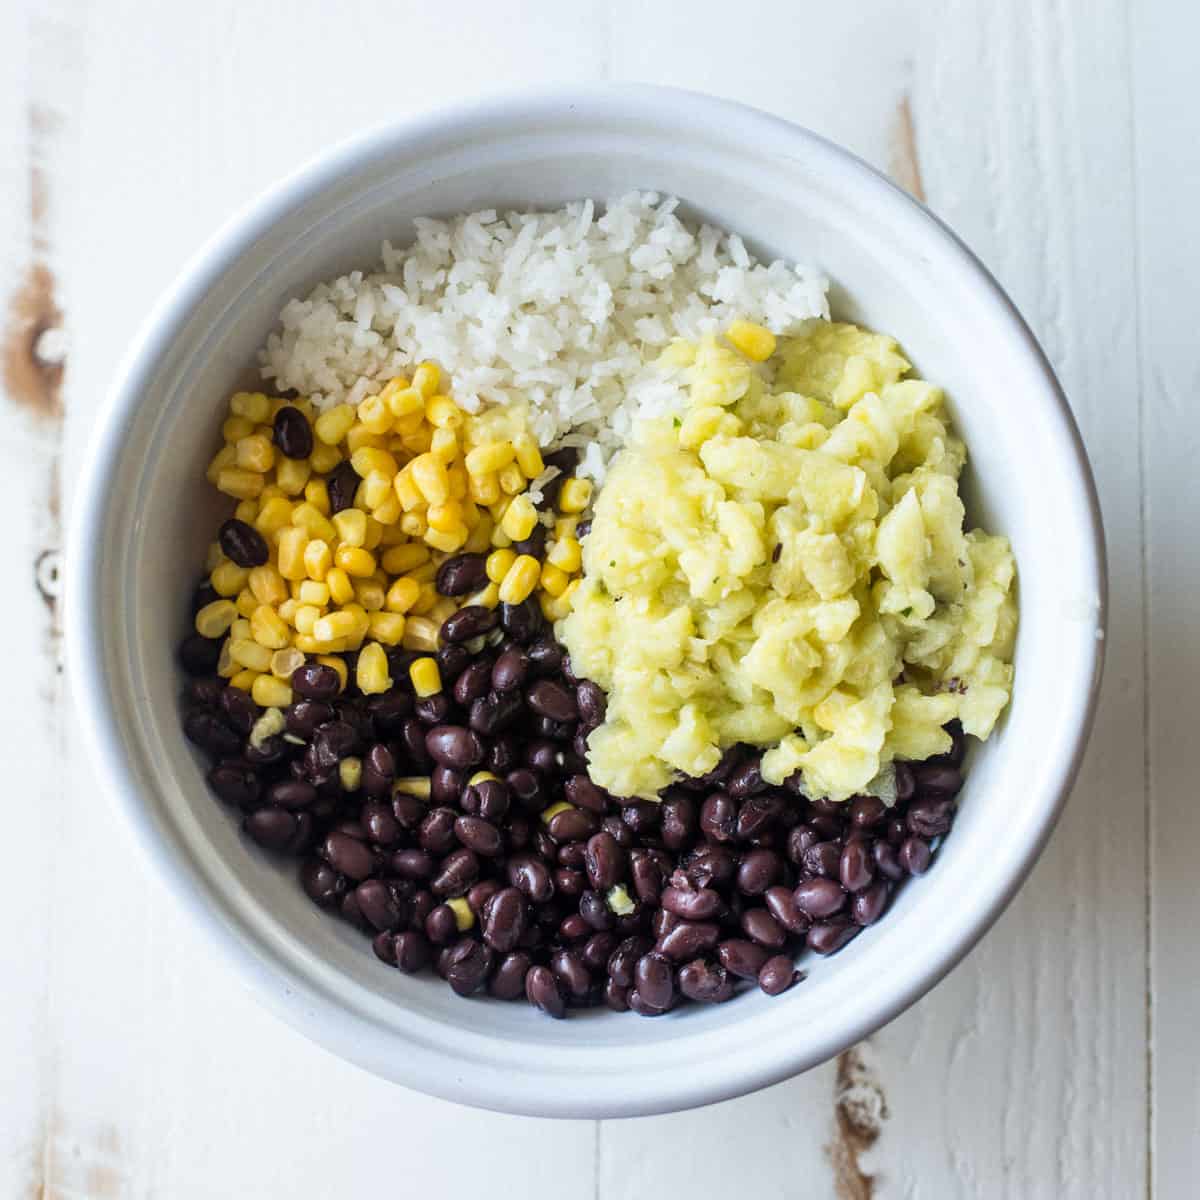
(784, 562)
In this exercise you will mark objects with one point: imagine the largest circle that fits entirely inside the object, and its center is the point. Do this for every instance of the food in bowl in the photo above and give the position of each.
(596, 619)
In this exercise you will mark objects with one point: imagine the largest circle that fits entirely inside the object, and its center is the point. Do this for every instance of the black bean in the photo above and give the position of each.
(462, 574)
(236, 783)
(823, 859)
(333, 741)
(548, 698)
(569, 882)
(706, 983)
(292, 433)
(510, 670)
(827, 937)
(759, 869)
(906, 783)
(621, 833)
(746, 779)
(479, 835)
(389, 711)
(757, 814)
(545, 846)
(595, 911)
(203, 693)
(691, 904)
(605, 861)
(412, 738)
(454, 746)
(679, 821)
(624, 959)
(342, 484)
(819, 897)
(467, 965)
(199, 655)
(503, 754)
(277, 829)
(525, 786)
(522, 622)
(777, 974)
(413, 864)
(941, 780)
(468, 623)
(324, 885)
(446, 785)
(472, 682)
(590, 701)
(759, 926)
(408, 810)
(741, 957)
(654, 980)
(204, 595)
(460, 869)
(647, 877)
(572, 975)
(597, 950)
(541, 990)
(543, 756)
(494, 712)
(710, 865)
(556, 731)
(292, 794)
(930, 816)
(866, 812)
(348, 856)
(508, 980)
(572, 825)
(718, 817)
(303, 718)
(441, 926)
(531, 876)
(799, 839)
(378, 770)
(867, 906)
(689, 939)
(436, 833)
(580, 791)
(411, 951)
(480, 893)
(433, 710)
(895, 831)
(535, 544)
(504, 919)
(380, 823)
(452, 661)
(856, 866)
(781, 904)
(545, 657)
(915, 855)
(211, 734)
(381, 904)
(573, 928)
(243, 543)
(887, 861)
(268, 752)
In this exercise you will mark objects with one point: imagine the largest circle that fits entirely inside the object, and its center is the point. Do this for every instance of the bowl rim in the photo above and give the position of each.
(89, 513)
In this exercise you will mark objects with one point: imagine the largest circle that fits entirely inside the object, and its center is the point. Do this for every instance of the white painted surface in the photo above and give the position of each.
(1059, 138)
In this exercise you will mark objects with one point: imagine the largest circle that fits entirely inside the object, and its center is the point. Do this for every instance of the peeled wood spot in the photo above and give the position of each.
(33, 350)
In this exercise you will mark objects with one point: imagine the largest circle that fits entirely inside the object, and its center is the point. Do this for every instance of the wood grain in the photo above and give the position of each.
(133, 1065)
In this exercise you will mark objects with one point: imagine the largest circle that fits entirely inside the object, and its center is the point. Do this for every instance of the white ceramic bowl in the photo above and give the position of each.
(144, 514)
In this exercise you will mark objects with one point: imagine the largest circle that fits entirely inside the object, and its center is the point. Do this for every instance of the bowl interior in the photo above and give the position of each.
(790, 195)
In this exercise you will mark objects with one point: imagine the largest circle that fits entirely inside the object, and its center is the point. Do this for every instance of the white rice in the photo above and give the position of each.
(565, 310)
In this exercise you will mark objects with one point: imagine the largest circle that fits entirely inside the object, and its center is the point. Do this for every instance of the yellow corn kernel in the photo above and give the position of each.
(447, 540)
(333, 424)
(354, 560)
(500, 539)
(267, 584)
(339, 665)
(255, 453)
(324, 458)
(221, 461)
(317, 494)
(361, 619)
(271, 491)
(426, 378)
(425, 573)
(490, 457)
(458, 482)
(375, 415)
(402, 595)
(370, 594)
(269, 692)
(240, 628)
(388, 511)
(401, 399)
(554, 608)
(443, 444)
(405, 427)
(529, 457)
(442, 413)
(386, 627)
(575, 496)
(566, 554)
(225, 664)
(553, 580)
(273, 515)
(407, 491)
(425, 676)
(496, 511)
(445, 607)
(481, 535)
(414, 785)
(268, 629)
(374, 534)
(249, 654)
(236, 428)
(350, 773)
(214, 620)
(519, 518)
(498, 563)
(482, 777)
(371, 673)
(564, 527)
(292, 543)
(243, 679)
(398, 559)
(351, 526)
(484, 489)
(754, 341)
(305, 618)
(285, 662)
(471, 511)
(314, 522)
(287, 610)
(292, 474)
(369, 459)
(429, 474)
(341, 590)
(414, 524)
(240, 484)
(391, 534)
(312, 591)
(318, 558)
(511, 480)
(520, 579)
(445, 517)
(247, 510)
(245, 602)
(420, 634)
(361, 438)
(254, 406)
(464, 917)
(548, 814)
(376, 488)
(419, 441)
(229, 579)
(333, 626)
(425, 601)
(487, 597)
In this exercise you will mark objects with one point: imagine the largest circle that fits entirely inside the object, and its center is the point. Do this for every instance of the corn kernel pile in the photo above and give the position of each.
(433, 482)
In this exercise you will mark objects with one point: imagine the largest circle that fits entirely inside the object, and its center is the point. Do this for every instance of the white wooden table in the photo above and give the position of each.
(1061, 138)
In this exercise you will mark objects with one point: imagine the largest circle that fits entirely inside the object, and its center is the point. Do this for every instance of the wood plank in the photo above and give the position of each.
(1167, 131)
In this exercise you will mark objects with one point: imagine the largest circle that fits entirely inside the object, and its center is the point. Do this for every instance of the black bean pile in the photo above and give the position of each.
(516, 876)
